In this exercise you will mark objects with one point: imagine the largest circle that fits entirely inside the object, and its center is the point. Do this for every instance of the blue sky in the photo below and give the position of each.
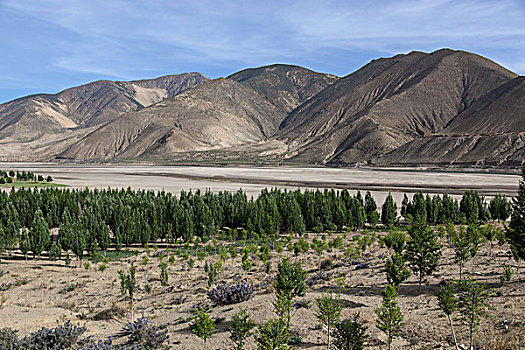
(49, 45)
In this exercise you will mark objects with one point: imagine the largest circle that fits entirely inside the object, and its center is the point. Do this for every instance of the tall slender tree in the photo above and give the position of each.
(516, 231)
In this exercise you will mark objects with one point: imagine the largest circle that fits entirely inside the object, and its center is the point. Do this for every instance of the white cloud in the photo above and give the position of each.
(116, 37)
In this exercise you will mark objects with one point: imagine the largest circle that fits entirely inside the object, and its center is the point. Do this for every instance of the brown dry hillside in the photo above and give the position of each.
(217, 114)
(499, 111)
(285, 86)
(246, 108)
(442, 108)
(489, 132)
(387, 103)
(38, 126)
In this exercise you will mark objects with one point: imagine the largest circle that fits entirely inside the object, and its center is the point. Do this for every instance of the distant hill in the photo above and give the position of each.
(38, 126)
(245, 108)
(388, 103)
(490, 132)
(445, 108)
(285, 86)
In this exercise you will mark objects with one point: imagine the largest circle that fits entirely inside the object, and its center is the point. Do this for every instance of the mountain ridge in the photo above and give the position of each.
(445, 108)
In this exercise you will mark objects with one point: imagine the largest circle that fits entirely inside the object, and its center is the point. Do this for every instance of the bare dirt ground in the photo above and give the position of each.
(254, 179)
(42, 292)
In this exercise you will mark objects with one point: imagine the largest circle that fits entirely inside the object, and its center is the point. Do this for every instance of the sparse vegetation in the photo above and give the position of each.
(207, 263)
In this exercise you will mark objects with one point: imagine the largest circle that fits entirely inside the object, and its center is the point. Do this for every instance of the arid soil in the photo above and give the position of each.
(42, 292)
(253, 179)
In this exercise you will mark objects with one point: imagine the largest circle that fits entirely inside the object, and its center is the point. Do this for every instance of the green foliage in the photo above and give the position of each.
(500, 208)
(246, 264)
(102, 267)
(282, 305)
(328, 313)
(163, 274)
(191, 263)
(272, 335)
(55, 252)
(515, 233)
(203, 326)
(395, 240)
(290, 279)
(373, 218)
(466, 245)
(350, 334)
(396, 269)
(39, 234)
(370, 203)
(389, 316)
(241, 328)
(473, 304)
(128, 285)
(507, 274)
(67, 260)
(448, 303)
(422, 250)
(474, 207)
(389, 211)
(336, 243)
(319, 246)
(25, 244)
(446, 300)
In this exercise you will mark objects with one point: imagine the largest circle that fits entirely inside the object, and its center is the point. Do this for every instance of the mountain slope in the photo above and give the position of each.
(387, 103)
(245, 108)
(216, 114)
(285, 86)
(30, 122)
(491, 132)
(501, 110)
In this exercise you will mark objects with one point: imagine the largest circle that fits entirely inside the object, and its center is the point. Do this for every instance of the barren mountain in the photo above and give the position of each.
(285, 86)
(216, 114)
(388, 103)
(36, 127)
(245, 108)
(502, 110)
(489, 132)
(441, 108)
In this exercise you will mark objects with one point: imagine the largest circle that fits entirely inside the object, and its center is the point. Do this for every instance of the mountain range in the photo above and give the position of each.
(445, 108)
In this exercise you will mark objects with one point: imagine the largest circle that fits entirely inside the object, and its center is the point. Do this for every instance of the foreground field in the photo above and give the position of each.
(40, 292)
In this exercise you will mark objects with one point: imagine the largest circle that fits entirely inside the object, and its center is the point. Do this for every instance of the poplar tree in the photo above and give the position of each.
(422, 250)
(389, 211)
(24, 245)
(39, 234)
(241, 328)
(329, 313)
(448, 304)
(389, 315)
(203, 326)
(516, 231)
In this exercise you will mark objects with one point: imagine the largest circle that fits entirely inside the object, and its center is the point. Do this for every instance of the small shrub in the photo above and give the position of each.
(65, 336)
(350, 334)
(8, 339)
(326, 263)
(231, 294)
(203, 326)
(143, 332)
(102, 267)
(241, 328)
(507, 274)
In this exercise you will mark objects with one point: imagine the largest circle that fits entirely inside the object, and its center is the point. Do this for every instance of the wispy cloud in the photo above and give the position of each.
(127, 38)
